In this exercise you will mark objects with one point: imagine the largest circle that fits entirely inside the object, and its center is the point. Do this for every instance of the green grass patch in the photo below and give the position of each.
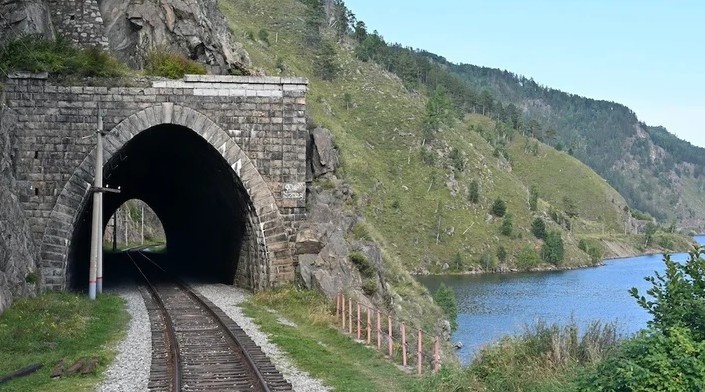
(59, 326)
(33, 53)
(317, 347)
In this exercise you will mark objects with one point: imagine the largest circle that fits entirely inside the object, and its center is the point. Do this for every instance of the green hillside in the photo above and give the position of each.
(412, 184)
(652, 168)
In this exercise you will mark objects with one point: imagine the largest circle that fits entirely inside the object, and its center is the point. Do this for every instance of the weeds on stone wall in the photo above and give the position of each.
(33, 53)
(162, 62)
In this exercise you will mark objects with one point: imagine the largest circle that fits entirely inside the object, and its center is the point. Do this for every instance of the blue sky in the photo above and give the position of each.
(648, 55)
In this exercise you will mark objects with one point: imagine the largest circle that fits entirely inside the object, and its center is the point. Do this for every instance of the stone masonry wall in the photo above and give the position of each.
(265, 116)
(80, 21)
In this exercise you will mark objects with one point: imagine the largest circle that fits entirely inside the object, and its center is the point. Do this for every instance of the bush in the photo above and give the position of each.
(507, 225)
(677, 297)
(263, 35)
(160, 62)
(501, 254)
(499, 207)
(445, 299)
(363, 265)
(369, 286)
(528, 258)
(474, 192)
(663, 361)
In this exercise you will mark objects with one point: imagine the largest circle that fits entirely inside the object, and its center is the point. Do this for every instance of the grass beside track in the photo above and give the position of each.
(59, 326)
(317, 347)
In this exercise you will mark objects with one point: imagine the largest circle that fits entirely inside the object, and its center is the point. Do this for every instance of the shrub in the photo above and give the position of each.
(527, 258)
(369, 286)
(474, 192)
(663, 361)
(533, 198)
(445, 299)
(361, 232)
(363, 265)
(677, 296)
(507, 225)
(458, 261)
(501, 254)
(263, 35)
(160, 62)
(499, 207)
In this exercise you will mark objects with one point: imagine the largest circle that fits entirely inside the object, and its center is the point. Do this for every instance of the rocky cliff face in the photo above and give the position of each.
(18, 272)
(131, 29)
(194, 28)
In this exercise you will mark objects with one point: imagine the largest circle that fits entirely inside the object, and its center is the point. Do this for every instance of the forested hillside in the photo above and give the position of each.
(654, 170)
(441, 179)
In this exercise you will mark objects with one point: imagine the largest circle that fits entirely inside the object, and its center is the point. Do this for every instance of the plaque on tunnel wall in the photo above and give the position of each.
(293, 194)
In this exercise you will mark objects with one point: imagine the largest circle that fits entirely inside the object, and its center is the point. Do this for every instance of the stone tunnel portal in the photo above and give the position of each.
(204, 208)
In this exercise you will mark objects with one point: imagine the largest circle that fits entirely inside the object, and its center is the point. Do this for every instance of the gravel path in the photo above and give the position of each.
(130, 369)
(227, 298)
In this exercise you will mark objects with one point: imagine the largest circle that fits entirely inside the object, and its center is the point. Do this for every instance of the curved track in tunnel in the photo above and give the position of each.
(212, 202)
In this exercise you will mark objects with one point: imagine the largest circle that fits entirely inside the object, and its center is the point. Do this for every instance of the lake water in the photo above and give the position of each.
(494, 305)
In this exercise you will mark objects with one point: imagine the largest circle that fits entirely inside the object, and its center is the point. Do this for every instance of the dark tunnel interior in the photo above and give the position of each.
(198, 198)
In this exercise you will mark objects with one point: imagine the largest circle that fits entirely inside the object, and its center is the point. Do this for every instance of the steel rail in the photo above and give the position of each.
(171, 331)
(241, 345)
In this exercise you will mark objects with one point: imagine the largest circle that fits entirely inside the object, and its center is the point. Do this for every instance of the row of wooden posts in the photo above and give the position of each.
(344, 315)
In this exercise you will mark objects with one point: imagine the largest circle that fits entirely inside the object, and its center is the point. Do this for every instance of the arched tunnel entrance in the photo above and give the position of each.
(205, 210)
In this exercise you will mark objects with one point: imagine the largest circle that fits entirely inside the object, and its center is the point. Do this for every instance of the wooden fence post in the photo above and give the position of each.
(358, 321)
(403, 344)
(389, 340)
(369, 330)
(418, 352)
(379, 331)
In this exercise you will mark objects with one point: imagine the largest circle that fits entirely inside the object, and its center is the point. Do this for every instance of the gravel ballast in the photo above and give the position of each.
(227, 298)
(130, 369)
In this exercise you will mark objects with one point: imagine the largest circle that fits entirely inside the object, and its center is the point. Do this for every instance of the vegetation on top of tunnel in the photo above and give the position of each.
(55, 327)
(34, 53)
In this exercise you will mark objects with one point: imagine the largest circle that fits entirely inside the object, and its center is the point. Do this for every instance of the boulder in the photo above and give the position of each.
(308, 241)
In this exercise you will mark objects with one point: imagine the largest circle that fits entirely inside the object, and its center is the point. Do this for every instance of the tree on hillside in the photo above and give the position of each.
(570, 208)
(360, 31)
(474, 192)
(533, 198)
(325, 65)
(553, 250)
(538, 228)
(438, 112)
(314, 17)
(499, 207)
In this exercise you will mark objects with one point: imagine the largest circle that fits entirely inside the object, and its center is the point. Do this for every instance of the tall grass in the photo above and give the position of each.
(33, 53)
(162, 62)
(543, 358)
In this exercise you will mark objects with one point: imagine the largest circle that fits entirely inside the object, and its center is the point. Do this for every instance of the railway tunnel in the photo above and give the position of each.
(202, 204)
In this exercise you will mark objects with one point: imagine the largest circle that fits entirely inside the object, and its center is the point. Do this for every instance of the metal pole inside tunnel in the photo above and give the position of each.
(97, 214)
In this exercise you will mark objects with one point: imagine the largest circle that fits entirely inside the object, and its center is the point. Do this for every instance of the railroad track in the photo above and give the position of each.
(195, 345)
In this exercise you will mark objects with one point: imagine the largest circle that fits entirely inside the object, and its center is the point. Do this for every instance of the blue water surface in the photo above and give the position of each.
(494, 305)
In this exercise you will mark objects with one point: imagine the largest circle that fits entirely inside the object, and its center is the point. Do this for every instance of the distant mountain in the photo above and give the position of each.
(654, 170)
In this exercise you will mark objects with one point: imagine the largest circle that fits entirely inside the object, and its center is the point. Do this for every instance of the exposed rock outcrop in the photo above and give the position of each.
(20, 17)
(195, 28)
(17, 250)
(324, 156)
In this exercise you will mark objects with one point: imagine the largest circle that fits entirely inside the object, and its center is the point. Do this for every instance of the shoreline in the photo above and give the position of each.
(620, 253)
